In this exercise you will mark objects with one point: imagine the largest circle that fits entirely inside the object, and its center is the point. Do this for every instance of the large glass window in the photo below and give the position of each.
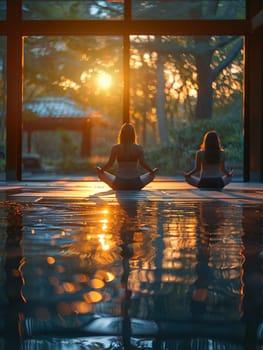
(188, 9)
(2, 9)
(72, 103)
(69, 10)
(182, 86)
(79, 86)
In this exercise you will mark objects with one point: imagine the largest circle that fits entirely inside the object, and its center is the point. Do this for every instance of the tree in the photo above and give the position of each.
(195, 73)
(70, 66)
(206, 73)
(208, 58)
(199, 61)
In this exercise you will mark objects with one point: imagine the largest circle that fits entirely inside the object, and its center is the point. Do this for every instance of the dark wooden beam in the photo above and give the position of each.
(52, 124)
(14, 94)
(257, 21)
(135, 27)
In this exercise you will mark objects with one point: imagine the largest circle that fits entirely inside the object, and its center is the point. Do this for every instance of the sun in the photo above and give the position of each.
(104, 80)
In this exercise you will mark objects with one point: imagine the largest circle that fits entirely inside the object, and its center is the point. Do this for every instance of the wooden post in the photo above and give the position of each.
(14, 93)
(86, 140)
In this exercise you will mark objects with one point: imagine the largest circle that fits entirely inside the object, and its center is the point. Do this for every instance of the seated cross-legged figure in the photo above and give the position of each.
(210, 164)
(129, 155)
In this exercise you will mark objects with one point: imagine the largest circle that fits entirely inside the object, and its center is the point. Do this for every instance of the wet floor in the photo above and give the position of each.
(130, 273)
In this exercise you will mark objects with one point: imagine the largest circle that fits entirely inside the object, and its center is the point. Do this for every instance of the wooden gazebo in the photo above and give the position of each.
(59, 113)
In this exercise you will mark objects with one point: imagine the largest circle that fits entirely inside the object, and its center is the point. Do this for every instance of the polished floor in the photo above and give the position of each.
(161, 189)
(169, 267)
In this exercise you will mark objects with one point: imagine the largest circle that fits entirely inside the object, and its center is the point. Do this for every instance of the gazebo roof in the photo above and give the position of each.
(61, 113)
(57, 107)
(52, 113)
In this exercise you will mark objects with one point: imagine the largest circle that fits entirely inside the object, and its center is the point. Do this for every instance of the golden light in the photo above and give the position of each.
(92, 297)
(97, 283)
(81, 307)
(69, 287)
(102, 240)
(81, 278)
(50, 260)
(105, 275)
(109, 277)
(104, 80)
(68, 84)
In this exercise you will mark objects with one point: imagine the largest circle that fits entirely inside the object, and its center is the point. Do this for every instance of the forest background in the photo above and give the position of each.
(180, 86)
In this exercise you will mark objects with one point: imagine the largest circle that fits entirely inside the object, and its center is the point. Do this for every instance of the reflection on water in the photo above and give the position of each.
(130, 275)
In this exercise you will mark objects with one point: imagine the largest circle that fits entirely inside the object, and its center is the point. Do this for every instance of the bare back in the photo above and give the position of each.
(128, 158)
(208, 169)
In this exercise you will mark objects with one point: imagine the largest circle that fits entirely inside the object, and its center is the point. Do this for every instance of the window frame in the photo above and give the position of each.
(15, 28)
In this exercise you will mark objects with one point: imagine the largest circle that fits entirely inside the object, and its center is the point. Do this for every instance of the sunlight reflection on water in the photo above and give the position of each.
(130, 268)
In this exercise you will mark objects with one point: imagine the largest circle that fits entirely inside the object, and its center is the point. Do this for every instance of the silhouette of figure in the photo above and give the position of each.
(128, 154)
(210, 164)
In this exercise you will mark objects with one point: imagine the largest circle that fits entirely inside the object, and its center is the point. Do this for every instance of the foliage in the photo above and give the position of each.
(73, 165)
(68, 148)
(189, 9)
(185, 139)
(71, 66)
(72, 10)
(182, 75)
(2, 164)
(163, 76)
(29, 115)
(163, 68)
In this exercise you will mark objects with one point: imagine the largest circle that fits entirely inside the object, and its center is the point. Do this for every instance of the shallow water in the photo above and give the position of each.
(131, 275)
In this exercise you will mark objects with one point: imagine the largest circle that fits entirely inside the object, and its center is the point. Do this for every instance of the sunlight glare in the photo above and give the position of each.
(102, 240)
(104, 80)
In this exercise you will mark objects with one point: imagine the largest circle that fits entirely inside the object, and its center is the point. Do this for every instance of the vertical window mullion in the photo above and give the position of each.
(14, 91)
(126, 61)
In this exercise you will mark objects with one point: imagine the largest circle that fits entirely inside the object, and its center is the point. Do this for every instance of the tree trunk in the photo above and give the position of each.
(160, 101)
(205, 91)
